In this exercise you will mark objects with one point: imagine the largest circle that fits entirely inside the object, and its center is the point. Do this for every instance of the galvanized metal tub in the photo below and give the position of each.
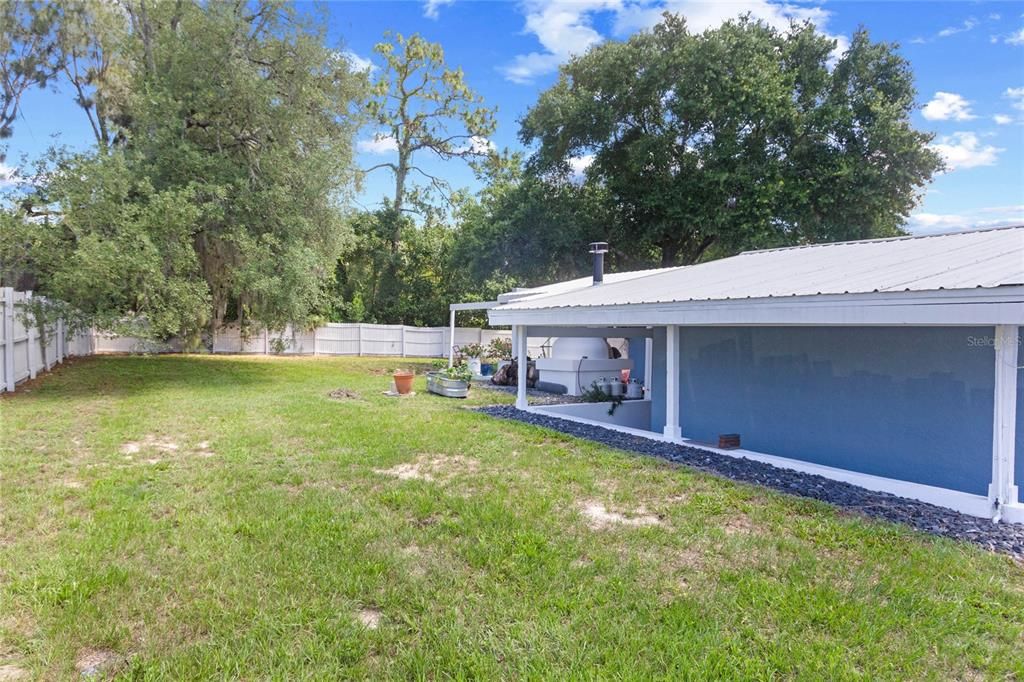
(450, 388)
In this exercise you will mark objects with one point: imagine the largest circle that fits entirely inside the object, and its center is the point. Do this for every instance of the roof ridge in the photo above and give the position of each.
(906, 237)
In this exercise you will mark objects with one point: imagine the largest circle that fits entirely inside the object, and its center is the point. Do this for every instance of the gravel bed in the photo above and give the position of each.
(1005, 538)
(537, 397)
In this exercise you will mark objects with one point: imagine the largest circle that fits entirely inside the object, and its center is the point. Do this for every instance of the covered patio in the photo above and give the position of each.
(890, 364)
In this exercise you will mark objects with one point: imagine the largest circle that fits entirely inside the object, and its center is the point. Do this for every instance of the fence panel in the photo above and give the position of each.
(380, 339)
(338, 339)
(425, 341)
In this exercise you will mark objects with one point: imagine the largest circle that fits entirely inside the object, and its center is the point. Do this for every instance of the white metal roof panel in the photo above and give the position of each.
(574, 285)
(964, 260)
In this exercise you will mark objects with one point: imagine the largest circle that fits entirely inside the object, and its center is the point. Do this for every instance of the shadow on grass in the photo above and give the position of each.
(128, 375)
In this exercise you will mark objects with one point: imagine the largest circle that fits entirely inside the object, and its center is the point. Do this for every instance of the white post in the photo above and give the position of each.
(672, 430)
(1003, 491)
(266, 342)
(30, 341)
(315, 349)
(8, 293)
(648, 365)
(60, 340)
(402, 336)
(451, 337)
(519, 334)
(359, 338)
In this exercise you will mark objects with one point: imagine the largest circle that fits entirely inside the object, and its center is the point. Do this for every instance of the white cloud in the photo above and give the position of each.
(947, 106)
(1016, 38)
(565, 27)
(1016, 97)
(8, 176)
(380, 144)
(1002, 119)
(432, 8)
(953, 30)
(478, 145)
(965, 150)
(580, 164)
(994, 216)
(356, 62)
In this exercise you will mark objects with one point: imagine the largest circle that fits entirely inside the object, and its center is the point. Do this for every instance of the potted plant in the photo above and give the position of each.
(500, 349)
(451, 382)
(403, 381)
(473, 352)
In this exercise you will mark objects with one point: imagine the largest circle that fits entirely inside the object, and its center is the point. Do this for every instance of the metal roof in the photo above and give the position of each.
(574, 285)
(964, 260)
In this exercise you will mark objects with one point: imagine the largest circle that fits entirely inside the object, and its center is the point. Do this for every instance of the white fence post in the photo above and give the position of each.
(30, 341)
(59, 357)
(359, 338)
(402, 337)
(8, 294)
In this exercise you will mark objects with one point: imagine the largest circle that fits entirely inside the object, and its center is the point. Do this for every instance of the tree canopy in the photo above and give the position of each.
(223, 163)
(738, 137)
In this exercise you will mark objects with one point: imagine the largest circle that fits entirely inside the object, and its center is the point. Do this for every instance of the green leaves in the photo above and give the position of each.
(218, 198)
(739, 137)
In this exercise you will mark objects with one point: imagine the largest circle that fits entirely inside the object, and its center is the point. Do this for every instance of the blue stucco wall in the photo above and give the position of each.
(658, 380)
(637, 353)
(910, 403)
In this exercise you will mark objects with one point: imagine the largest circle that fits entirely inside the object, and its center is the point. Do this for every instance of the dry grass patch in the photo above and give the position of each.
(432, 468)
(99, 662)
(12, 673)
(600, 517)
(370, 617)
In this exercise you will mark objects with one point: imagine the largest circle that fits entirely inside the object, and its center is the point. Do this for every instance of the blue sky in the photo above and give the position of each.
(968, 59)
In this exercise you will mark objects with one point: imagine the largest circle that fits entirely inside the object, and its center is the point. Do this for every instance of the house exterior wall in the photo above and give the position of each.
(909, 403)
(1018, 469)
(637, 352)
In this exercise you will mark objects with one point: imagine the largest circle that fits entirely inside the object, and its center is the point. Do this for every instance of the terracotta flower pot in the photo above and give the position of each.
(403, 382)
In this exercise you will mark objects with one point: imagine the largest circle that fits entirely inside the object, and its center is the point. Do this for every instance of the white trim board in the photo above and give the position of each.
(973, 307)
(967, 503)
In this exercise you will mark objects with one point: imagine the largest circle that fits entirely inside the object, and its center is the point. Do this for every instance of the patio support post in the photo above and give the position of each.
(519, 335)
(672, 430)
(1003, 491)
(451, 337)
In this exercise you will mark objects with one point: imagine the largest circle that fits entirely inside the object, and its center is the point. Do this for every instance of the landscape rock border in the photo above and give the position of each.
(998, 537)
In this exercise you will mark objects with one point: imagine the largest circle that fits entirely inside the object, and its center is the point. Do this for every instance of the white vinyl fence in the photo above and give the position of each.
(23, 351)
(356, 339)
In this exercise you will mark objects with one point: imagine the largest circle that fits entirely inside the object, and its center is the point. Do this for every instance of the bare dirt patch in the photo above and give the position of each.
(370, 617)
(344, 394)
(98, 662)
(150, 442)
(406, 472)
(10, 673)
(600, 517)
(203, 449)
(740, 524)
(432, 468)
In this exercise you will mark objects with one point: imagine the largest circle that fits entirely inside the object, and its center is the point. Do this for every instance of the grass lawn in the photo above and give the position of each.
(185, 517)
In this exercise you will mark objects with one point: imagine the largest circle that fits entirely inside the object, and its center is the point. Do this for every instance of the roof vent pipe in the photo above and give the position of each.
(598, 249)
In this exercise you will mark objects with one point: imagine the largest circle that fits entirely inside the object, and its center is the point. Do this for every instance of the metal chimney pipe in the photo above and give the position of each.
(598, 249)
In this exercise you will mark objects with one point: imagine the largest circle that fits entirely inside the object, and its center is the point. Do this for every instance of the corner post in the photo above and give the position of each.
(519, 334)
(8, 294)
(672, 430)
(451, 336)
(1003, 491)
